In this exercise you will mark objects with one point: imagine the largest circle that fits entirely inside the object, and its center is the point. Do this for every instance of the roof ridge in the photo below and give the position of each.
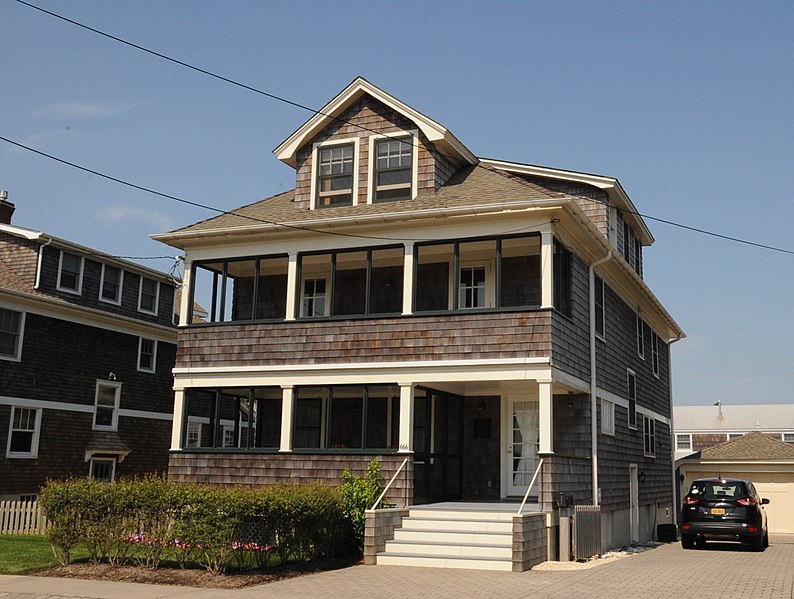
(522, 181)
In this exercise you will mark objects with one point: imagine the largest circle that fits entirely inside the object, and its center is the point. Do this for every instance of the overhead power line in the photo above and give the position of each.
(313, 111)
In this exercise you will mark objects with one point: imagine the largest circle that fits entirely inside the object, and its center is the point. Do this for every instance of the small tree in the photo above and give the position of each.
(360, 495)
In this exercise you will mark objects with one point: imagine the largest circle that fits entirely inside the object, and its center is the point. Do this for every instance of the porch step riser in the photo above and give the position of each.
(455, 538)
(444, 562)
(464, 515)
(449, 550)
(478, 526)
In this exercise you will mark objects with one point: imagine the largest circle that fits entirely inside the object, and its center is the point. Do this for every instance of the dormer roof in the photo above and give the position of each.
(436, 133)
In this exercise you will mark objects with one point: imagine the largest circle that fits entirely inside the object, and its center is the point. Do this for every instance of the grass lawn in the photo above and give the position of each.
(20, 554)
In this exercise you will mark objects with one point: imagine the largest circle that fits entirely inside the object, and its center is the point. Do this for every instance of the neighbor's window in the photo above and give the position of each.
(103, 469)
(393, 169)
(649, 436)
(631, 383)
(149, 296)
(655, 353)
(335, 176)
(607, 417)
(599, 307)
(110, 287)
(147, 354)
(11, 326)
(193, 437)
(70, 273)
(640, 337)
(788, 437)
(683, 441)
(23, 433)
(562, 279)
(734, 436)
(106, 407)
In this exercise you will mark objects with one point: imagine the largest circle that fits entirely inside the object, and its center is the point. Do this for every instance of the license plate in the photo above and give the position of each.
(718, 511)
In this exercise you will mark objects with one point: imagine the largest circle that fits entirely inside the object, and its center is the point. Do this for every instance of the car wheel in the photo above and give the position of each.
(687, 541)
(757, 543)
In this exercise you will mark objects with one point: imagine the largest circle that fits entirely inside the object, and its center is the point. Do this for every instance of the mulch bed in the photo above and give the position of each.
(191, 577)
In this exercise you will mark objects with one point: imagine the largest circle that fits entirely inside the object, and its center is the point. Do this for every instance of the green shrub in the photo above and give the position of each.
(360, 495)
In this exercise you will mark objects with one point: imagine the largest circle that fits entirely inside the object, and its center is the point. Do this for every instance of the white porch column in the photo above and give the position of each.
(184, 298)
(546, 417)
(408, 277)
(546, 269)
(287, 412)
(292, 285)
(176, 423)
(406, 418)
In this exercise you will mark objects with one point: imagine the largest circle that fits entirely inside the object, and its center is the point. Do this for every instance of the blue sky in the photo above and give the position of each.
(688, 104)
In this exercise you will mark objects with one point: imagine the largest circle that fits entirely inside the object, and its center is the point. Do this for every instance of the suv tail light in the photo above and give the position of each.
(689, 500)
(746, 501)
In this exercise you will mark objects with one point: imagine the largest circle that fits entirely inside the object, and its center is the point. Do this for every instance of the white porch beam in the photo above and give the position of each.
(408, 277)
(406, 419)
(185, 308)
(546, 418)
(287, 415)
(292, 285)
(176, 423)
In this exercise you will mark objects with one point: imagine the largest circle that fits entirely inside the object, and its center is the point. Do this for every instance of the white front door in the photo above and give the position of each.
(521, 444)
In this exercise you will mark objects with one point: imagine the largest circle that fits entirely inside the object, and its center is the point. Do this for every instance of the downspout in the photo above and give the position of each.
(593, 399)
(40, 260)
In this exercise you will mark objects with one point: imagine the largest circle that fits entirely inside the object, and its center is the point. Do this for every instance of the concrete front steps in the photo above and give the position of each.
(454, 536)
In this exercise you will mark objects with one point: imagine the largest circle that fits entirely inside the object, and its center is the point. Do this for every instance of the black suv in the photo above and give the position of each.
(723, 509)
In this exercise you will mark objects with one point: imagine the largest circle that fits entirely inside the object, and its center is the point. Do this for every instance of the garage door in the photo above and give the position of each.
(778, 488)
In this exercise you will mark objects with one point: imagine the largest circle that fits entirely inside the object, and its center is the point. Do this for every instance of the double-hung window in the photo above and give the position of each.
(607, 417)
(147, 354)
(655, 353)
(23, 433)
(11, 326)
(599, 307)
(314, 303)
(70, 273)
(393, 169)
(640, 337)
(148, 296)
(683, 441)
(106, 406)
(110, 287)
(472, 287)
(631, 383)
(335, 175)
(649, 436)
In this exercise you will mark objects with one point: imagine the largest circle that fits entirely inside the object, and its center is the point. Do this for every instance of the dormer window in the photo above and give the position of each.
(393, 169)
(335, 175)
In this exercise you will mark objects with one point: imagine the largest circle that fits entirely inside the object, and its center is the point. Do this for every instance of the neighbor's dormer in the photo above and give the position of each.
(367, 147)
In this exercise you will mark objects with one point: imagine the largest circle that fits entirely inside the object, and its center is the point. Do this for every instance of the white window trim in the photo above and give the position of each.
(490, 283)
(734, 436)
(640, 337)
(79, 289)
(414, 135)
(34, 444)
(689, 436)
(315, 161)
(314, 276)
(607, 417)
(156, 296)
(195, 425)
(95, 460)
(602, 336)
(18, 356)
(102, 286)
(140, 354)
(783, 437)
(647, 423)
(630, 374)
(655, 361)
(116, 385)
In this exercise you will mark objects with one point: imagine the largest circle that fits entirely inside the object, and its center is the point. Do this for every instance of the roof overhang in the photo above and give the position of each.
(610, 185)
(438, 135)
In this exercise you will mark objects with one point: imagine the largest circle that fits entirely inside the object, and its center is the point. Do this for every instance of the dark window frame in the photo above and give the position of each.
(600, 307)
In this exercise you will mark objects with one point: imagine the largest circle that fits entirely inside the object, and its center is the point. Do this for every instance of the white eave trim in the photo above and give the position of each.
(609, 184)
(435, 133)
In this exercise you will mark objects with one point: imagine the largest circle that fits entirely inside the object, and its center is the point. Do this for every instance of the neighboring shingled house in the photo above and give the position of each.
(411, 301)
(87, 344)
(766, 461)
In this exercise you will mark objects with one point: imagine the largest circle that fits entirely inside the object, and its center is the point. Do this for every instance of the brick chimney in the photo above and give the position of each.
(6, 208)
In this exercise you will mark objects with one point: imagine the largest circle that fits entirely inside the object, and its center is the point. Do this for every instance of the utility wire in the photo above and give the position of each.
(313, 111)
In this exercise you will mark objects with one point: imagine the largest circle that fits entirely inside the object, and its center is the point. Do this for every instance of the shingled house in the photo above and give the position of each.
(411, 302)
(87, 344)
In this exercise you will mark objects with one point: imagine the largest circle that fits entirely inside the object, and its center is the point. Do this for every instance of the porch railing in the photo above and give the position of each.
(386, 488)
(529, 488)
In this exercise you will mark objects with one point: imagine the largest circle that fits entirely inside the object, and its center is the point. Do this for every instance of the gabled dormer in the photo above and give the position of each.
(366, 147)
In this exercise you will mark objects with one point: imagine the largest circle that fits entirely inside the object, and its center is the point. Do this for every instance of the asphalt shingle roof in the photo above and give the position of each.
(754, 446)
(470, 186)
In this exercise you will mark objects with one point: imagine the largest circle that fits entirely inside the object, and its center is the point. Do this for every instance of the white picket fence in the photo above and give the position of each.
(22, 518)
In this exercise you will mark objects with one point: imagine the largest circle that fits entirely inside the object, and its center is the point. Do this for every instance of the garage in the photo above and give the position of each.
(767, 462)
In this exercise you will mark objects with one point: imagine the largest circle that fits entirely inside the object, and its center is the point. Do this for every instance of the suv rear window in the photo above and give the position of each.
(718, 489)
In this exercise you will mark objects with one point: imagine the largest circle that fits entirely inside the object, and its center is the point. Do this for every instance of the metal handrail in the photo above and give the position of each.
(529, 488)
(386, 488)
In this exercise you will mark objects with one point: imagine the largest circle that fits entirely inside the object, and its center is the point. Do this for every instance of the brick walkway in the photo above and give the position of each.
(723, 569)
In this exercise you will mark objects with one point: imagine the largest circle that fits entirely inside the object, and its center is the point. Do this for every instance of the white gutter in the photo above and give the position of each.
(593, 398)
(38, 266)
